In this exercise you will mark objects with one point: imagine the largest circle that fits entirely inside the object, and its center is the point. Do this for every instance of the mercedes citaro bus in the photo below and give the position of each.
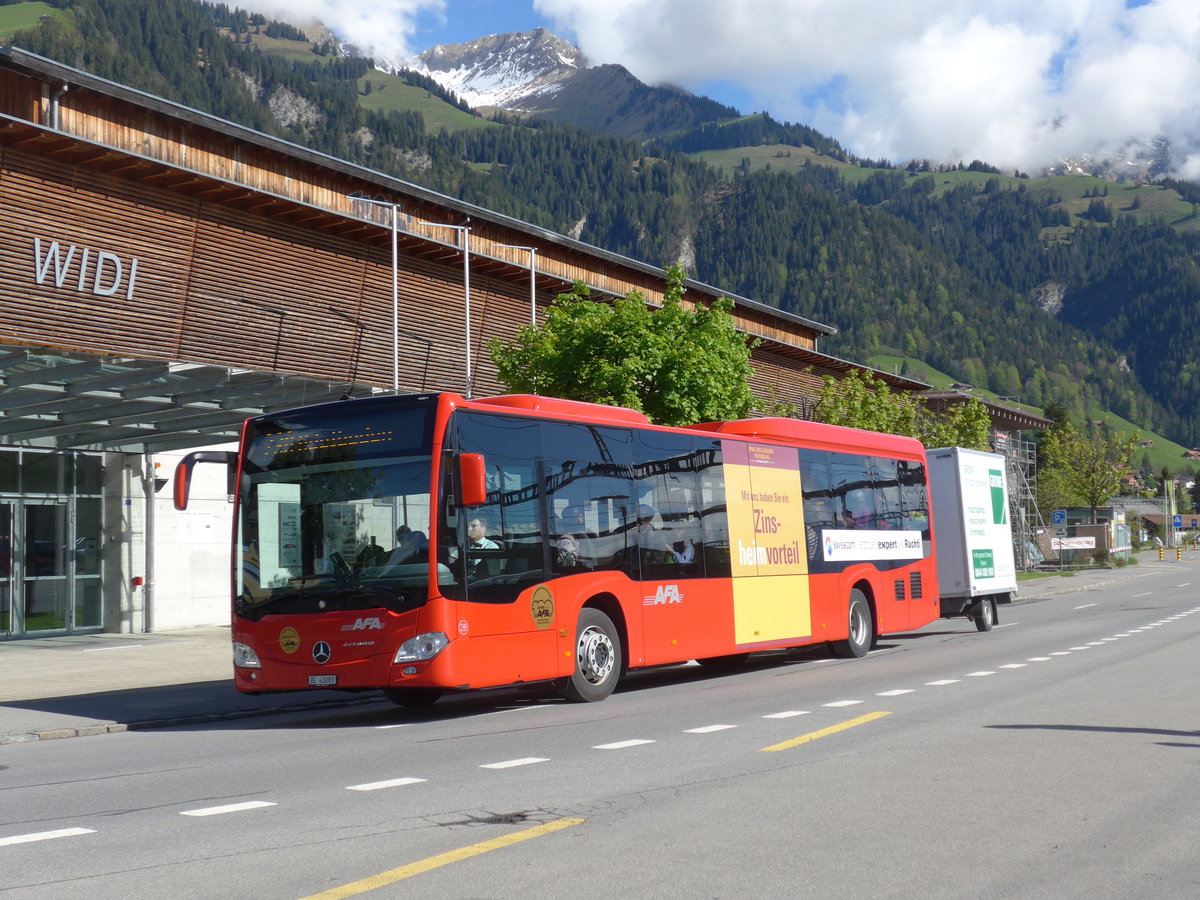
(426, 543)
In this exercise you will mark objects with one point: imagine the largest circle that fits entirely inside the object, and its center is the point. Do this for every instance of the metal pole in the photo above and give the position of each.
(395, 208)
(533, 286)
(395, 302)
(466, 248)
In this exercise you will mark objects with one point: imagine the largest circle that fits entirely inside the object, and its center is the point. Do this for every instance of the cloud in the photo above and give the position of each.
(1013, 82)
(378, 27)
(1017, 83)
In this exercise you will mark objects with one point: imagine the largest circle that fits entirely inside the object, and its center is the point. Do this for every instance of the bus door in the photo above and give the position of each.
(496, 554)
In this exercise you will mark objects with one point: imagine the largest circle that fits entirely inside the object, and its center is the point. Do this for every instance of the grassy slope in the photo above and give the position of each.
(1162, 452)
(389, 93)
(21, 16)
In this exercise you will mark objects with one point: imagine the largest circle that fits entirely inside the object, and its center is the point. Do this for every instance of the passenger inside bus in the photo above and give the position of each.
(573, 545)
(409, 545)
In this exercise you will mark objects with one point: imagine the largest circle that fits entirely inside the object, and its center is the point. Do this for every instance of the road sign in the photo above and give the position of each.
(1058, 517)
(1195, 523)
(1177, 521)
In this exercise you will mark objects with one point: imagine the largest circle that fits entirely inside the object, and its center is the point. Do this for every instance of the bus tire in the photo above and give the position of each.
(597, 659)
(861, 629)
(413, 697)
(984, 613)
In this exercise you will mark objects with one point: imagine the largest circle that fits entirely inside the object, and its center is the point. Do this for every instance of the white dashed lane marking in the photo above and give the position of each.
(838, 703)
(513, 763)
(942, 681)
(622, 745)
(895, 693)
(788, 714)
(230, 808)
(380, 785)
(44, 836)
(979, 674)
(708, 729)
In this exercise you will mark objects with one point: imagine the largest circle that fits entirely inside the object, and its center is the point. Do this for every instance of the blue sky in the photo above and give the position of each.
(1018, 83)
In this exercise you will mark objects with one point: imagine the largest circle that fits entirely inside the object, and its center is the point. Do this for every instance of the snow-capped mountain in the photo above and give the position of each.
(507, 71)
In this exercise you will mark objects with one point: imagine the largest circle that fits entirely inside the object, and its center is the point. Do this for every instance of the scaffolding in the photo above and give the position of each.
(1020, 458)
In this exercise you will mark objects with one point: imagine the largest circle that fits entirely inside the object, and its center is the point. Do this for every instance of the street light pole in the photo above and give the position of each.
(532, 278)
(465, 232)
(395, 286)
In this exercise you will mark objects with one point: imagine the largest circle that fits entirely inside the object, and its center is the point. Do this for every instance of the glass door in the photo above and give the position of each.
(45, 583)
(6, 569)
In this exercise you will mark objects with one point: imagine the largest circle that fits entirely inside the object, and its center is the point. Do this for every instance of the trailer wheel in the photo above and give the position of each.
(862, 629)
(597, 659)
(984, 613)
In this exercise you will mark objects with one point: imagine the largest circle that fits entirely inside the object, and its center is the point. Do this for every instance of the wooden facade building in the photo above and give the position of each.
(164, 273)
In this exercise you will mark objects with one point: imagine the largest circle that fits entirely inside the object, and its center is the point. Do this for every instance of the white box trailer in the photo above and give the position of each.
(972, 533)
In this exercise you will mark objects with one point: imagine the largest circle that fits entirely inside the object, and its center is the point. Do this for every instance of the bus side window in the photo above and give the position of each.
(819, 512)
(588, 496)
(887, 494)
(668, 497)
(502, 554)
(714, 518)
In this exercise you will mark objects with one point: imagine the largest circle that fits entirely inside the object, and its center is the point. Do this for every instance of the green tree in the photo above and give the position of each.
(1084, 466)
(678, 366)
(861, 400)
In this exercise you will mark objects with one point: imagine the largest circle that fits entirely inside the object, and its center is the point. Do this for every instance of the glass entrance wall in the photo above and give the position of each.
(51, 542)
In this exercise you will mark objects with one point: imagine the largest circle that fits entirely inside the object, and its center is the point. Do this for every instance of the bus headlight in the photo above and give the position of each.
(422, 647)
(244, 657)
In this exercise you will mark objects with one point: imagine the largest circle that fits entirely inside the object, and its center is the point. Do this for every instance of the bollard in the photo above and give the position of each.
(1178, 554)
(1160, 554)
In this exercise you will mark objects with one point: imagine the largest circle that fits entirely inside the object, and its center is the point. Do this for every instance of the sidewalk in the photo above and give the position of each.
(60, 687)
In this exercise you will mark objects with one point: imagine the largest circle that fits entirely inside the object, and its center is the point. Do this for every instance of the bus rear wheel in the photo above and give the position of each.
(597, 659)
(412, 697)
(862, 629)
(984, 613)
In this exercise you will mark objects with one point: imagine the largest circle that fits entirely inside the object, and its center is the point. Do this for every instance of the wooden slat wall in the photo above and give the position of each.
(125, 126)
(217, 285)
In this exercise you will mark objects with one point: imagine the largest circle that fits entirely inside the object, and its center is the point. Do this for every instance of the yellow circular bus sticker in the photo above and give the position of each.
(289, 640)
(542, 607)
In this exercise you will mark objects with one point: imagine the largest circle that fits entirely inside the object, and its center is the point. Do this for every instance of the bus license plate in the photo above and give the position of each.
(322, 680)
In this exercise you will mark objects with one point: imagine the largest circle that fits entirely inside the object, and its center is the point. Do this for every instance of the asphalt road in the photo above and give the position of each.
(1056, 756)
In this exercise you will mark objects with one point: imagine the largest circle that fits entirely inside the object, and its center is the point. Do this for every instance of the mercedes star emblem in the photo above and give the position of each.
(321, 653)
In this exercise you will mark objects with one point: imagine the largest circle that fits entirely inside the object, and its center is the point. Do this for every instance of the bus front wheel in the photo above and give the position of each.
(597, 659)
(862, 629)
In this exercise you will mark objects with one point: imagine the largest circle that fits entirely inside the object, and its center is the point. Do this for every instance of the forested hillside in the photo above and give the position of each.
(1090, 304)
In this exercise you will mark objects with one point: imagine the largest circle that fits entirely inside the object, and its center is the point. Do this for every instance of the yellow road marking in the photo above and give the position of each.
(442, 859)
(824, 732)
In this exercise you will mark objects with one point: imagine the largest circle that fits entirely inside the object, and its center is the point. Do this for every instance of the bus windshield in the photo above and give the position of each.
(335, 509)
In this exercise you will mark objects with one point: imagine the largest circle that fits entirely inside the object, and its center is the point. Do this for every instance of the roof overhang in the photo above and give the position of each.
(59, 399)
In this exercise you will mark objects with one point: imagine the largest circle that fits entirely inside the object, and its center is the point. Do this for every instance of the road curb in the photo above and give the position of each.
(55, 734)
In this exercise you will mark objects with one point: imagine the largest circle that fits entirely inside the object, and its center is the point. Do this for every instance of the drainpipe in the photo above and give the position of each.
(148, 547)
(54, 105)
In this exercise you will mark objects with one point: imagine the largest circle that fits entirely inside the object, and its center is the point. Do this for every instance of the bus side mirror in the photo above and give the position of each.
(183, 472)
(472, 486)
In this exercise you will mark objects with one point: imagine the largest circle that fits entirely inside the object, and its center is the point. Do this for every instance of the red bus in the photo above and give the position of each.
(426, 543)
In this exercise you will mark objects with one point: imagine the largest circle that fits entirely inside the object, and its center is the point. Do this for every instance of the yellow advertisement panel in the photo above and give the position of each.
(767, 542)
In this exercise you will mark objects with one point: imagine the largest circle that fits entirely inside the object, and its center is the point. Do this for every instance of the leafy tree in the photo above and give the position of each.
(1085, 466)
(865, 401)
(678, 366)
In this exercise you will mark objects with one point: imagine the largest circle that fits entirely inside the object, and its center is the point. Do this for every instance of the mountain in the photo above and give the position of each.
(1077, 290)
(504, 71)
(534, 73)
